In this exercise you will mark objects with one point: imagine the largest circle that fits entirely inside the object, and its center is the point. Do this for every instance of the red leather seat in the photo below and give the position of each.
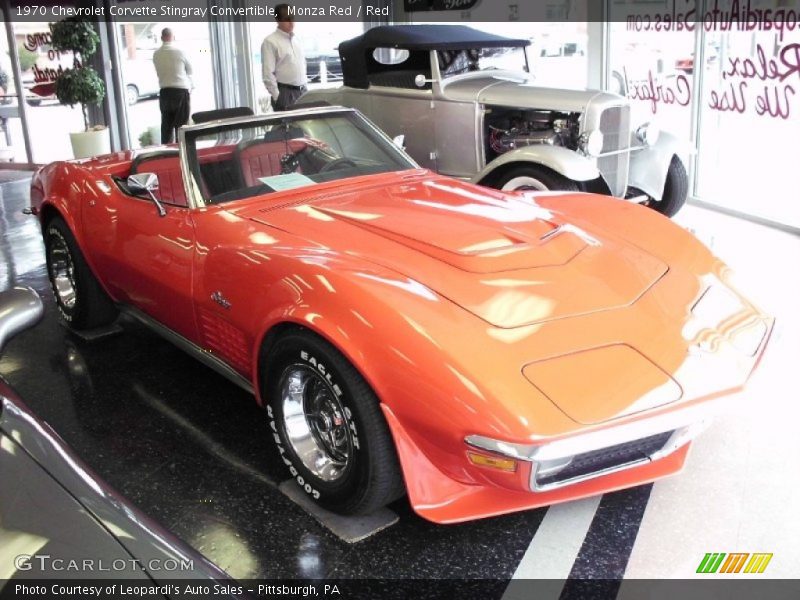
(167, 167)
(258, 158)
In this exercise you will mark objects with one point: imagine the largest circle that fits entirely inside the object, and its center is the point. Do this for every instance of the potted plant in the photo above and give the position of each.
(80, 84)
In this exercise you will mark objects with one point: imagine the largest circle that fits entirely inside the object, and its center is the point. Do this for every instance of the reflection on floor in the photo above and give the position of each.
(190, 449)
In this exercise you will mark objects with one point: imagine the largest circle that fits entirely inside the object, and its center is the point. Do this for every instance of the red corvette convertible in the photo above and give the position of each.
(480, 351)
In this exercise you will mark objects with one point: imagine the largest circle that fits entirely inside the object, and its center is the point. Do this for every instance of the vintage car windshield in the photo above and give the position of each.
(239, 160)
(458, 62)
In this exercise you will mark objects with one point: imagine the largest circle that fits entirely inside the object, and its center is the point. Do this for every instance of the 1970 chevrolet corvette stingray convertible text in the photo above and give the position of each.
(481, 351)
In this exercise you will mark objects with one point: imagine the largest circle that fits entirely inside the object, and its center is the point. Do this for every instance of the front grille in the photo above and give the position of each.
(596, 461)
(615, 127)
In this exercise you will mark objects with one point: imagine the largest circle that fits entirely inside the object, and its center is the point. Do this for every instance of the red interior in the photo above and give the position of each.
(261, 160)
(170, 181)
(253, 162)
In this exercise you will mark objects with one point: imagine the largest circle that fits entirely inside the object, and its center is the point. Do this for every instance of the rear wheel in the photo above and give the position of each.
(328, 427)
(83, 304)
(533, 177)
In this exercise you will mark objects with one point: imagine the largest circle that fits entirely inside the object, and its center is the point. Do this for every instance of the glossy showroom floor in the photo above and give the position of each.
(189, 449)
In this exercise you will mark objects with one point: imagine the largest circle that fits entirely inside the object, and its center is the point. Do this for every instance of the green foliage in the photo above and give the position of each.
(75, 35)
(146, 138)
(80, 85)
(3, 79)
(26, 58)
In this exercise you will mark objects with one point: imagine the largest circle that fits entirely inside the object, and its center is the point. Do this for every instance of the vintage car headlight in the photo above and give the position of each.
(648, 133)
(591, 143)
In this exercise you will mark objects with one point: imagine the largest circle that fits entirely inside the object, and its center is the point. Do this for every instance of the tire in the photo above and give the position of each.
(533, 177)
(350, 465)
(676, 189)
(131, 94)
(82, 303)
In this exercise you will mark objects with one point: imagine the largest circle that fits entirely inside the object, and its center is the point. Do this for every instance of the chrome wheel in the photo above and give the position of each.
(62, 273)
(316, 424)
(524, 182)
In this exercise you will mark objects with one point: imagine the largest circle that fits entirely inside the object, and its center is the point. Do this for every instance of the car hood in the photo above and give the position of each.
(500, 257)
(511, 89)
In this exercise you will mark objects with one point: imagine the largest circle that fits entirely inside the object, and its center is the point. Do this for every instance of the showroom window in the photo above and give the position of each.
(654, 70)
(49, 122)
(558, 34)
(728, 82)
(320, 42)
(12, 140)
(749, 122)
(137, 42)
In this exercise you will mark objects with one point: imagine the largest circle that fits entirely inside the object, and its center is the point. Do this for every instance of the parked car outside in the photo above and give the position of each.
(333, 67)
(407, 332)
(467, 106)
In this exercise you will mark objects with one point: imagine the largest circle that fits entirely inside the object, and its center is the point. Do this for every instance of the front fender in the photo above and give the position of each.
(649, 166)
(563, 161)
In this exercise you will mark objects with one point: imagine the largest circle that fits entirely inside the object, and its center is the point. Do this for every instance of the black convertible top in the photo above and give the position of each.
(354, 52)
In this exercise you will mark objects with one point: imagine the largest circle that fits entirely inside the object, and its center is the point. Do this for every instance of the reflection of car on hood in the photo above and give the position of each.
(467, 105)
(58, 512)
(407, 332)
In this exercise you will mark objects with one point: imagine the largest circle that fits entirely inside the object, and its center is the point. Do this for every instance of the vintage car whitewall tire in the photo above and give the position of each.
(533, 177)
(327, 426)
(82, 303)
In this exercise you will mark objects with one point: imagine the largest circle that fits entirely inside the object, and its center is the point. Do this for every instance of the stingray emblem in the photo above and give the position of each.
(221, 300)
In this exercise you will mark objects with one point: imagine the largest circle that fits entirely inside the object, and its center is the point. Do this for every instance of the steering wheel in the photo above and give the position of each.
(338, 163)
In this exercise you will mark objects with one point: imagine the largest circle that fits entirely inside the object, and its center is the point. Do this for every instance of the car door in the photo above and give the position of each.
(144, 259)
(395, 103)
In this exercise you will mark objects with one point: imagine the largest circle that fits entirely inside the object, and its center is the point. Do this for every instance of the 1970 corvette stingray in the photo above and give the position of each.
(481, 351)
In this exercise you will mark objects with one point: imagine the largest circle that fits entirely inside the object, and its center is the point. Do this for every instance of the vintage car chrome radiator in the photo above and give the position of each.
(614, 160)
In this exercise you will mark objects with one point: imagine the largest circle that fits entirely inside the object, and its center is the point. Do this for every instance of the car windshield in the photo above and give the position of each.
(457, 62)
(241, 160)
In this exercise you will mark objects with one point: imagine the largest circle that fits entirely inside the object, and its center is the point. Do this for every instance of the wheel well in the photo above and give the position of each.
(494, 177)
(271, 337)
(47, 214)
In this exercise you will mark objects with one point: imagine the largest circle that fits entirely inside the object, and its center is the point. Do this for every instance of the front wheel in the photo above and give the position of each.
(676, 189)
(83, 304)
(328, 427)
(533, 177)
(131, 94)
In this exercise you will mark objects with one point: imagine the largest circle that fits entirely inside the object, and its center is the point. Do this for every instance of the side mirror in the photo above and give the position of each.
(399, 141)
(420, 80)
(147, 182)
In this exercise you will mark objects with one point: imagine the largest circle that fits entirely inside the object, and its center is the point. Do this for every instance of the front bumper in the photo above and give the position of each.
(577, 459)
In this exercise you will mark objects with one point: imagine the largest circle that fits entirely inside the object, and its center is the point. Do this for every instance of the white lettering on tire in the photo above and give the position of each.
(322, 370)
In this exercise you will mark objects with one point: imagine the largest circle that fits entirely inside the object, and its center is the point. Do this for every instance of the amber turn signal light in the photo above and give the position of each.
(493, 462)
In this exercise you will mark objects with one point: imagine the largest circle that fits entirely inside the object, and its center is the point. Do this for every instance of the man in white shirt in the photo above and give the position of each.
(283, 62)
(175, 80)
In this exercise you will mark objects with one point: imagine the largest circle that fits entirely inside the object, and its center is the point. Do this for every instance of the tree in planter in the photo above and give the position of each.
(80, 84)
